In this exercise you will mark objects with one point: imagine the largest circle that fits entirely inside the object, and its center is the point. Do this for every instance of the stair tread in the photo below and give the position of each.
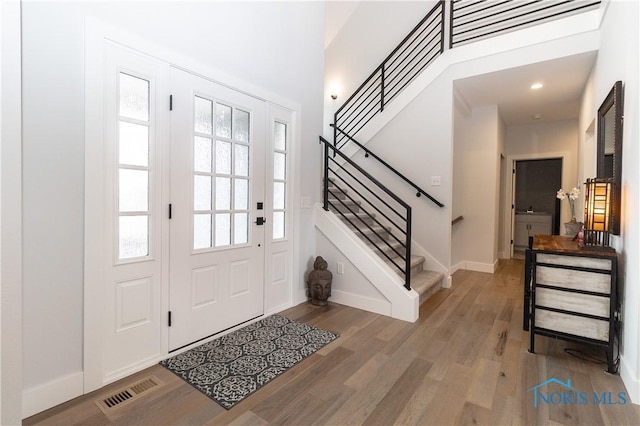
(357, 218)
(415, 260)
(425, 279)
(344, 201)
(392, 249)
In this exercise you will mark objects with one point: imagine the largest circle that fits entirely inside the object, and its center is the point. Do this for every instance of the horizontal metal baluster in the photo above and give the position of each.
(354, 213)
(374, 207)
(366, 236)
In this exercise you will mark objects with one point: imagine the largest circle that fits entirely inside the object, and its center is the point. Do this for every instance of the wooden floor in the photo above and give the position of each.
(465, 361)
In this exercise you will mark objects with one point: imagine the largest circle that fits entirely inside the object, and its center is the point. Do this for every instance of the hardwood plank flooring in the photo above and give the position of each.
(465, 361)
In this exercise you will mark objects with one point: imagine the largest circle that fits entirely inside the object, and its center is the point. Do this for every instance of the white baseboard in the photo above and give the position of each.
(475, 266)
(482, 267)
(376, 306)
(50, 394)
(454, 268)
(630, 380)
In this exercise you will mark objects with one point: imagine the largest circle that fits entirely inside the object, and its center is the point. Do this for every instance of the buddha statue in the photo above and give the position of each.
(319, 282)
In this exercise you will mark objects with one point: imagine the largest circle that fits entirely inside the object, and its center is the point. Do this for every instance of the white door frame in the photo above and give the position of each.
(96, 32)
(11, 399)
(509, 213)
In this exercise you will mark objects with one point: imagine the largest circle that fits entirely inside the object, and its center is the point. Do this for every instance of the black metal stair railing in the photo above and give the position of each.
(369, 153)
(378, 215)
(473, 20)
(418, 49)
(469, 21)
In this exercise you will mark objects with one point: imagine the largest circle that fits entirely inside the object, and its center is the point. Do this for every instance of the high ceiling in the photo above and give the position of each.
(559, 99)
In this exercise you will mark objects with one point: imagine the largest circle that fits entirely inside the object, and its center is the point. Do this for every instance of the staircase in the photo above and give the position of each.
(378, 239)
(370, 223)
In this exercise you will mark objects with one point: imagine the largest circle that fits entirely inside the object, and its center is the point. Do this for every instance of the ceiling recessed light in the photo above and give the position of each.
(536, 86)
(536, 116)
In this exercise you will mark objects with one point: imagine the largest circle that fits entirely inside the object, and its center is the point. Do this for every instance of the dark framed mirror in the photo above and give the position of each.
(609, 155)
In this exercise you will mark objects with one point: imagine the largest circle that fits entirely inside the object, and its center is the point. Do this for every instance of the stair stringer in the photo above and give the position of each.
(404, 303)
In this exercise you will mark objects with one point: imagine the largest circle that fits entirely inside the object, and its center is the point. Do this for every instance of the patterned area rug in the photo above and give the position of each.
(230, 368)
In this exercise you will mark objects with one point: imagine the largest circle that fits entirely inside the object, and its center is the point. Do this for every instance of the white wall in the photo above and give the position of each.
(275, 46)
(351, 285)
(476, 175)
(417, 143)
(618, 60)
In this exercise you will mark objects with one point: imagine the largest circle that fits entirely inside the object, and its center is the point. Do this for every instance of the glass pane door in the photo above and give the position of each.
(221, 178)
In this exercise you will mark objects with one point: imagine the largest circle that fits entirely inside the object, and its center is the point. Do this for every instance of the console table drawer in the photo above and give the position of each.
(578, 261)
(574, 302)
(571, 293)
(570, 324)
(577, 280)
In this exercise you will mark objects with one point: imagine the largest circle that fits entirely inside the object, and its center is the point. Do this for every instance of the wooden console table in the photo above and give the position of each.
(571, 294)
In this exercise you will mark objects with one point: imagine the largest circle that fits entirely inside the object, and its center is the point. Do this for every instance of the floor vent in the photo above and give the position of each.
(125, 395)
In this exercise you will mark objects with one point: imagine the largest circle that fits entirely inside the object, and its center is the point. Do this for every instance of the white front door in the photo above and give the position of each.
(217, 190)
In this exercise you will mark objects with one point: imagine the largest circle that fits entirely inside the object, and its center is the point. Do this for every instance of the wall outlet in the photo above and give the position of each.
(435, 180)
(340, 268)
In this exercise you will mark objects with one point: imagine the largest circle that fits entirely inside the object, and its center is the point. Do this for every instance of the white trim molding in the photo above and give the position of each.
(630, 380)
(10, 212)
(52, 393)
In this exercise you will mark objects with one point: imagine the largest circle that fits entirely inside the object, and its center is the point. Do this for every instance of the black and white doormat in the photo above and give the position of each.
(230, 368)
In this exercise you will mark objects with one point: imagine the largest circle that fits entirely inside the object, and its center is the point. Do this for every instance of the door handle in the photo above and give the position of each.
(260, 221)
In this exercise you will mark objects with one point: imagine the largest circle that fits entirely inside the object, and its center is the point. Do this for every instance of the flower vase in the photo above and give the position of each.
(572, 228)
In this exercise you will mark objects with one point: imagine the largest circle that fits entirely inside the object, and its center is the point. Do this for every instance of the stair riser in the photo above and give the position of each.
(343, 202)
(391, 253)
(425, 296)
(337, 195)
(417, 269)
(378, 238)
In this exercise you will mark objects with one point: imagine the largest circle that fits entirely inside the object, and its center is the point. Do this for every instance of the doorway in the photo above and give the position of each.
(189, 210)
(536, 210)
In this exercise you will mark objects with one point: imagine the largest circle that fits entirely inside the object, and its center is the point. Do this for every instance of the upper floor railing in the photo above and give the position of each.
(469, 21)
(418, 49)
(473, 20)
